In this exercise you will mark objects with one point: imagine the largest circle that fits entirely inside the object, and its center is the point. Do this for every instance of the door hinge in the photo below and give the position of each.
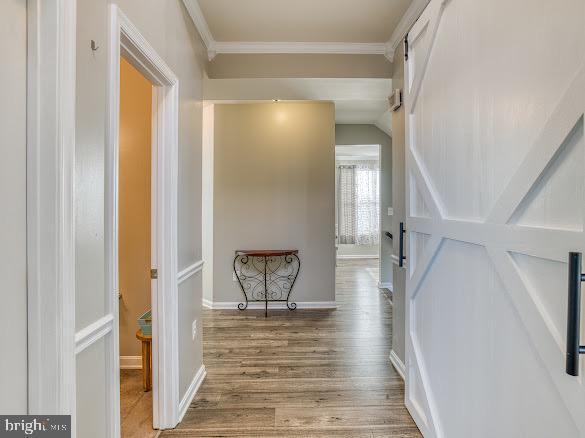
(154, 274)
(406, 47)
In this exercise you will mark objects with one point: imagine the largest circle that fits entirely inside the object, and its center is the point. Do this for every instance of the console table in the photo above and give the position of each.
(267, 275)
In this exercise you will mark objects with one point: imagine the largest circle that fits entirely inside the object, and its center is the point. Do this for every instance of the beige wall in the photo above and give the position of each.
(167, 27)
(13, 312)
(134, 203)
(370, 134)
(274, 188)
(399, 193)
(299, 66)
(349, 251)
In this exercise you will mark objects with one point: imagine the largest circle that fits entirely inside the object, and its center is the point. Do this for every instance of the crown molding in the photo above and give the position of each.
(244, 47)
(200, 23)
(408, 19)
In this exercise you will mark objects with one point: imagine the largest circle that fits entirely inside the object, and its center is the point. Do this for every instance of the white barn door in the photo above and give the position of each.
(495, 158)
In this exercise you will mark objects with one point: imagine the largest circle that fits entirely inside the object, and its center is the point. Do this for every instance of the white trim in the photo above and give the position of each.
(274, 305)
(386, 285)
(189, 271)
(207, 303)
(396, 260)
(397, 364)
(207, 145)
(191, 391)
(93, 332)
(51, 67)
(249, 47)
(357, 256)
(408, 19)
(111, 230)
(130, 362)
(200, 23)
(126, 40)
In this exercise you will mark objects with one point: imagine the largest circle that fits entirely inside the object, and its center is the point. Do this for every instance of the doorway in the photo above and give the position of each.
(127, 45)
(135, 228)
(357, 205)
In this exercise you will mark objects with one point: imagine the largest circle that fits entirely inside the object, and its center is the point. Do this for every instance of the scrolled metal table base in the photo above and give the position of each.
(267, 276)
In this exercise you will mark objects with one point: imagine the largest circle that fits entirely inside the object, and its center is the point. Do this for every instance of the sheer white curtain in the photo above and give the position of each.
(358, 209)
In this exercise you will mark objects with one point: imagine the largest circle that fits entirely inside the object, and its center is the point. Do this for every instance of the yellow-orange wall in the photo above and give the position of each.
(134, 203)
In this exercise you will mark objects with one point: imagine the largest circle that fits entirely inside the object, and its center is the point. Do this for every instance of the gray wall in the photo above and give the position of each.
(398, 195)
(370, 134)
(168, 28)
(274, 167)
(13, 312)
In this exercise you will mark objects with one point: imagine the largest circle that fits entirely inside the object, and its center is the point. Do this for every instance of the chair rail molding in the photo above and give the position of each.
(189, 271)
(93, 332)
(51, 206)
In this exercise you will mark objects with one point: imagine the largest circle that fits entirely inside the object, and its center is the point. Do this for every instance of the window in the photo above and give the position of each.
(358, 209)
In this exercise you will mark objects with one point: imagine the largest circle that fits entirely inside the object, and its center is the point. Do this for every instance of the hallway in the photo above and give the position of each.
(304, 373)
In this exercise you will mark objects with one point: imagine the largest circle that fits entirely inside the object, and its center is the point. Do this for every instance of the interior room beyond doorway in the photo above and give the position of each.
(134, 249)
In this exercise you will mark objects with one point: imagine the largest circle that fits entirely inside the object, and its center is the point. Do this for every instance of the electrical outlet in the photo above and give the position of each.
(390, 211)
(194, 329)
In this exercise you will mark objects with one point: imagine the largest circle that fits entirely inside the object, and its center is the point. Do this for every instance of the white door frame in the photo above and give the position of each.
(125, 40)
(51, 29)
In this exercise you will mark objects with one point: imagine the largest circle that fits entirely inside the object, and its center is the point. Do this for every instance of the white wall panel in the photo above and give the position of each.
(496, 165)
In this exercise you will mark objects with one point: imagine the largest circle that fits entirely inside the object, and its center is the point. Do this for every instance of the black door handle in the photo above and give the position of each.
(574, 349)
(401, 256)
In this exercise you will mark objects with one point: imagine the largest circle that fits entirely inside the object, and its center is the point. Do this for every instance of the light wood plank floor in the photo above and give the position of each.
(135, 406)
(303, 373)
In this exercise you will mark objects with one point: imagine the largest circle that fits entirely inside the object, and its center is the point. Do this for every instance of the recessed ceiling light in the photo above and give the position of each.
(276, 100)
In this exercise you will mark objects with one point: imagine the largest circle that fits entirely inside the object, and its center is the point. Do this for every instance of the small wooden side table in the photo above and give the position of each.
(146, 359)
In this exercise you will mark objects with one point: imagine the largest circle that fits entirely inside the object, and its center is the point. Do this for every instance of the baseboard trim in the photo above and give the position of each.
(397, 364)
(207, 303)
(386, 285)
(280, 305)
(350, 257)
(191, 391)
(130, 362)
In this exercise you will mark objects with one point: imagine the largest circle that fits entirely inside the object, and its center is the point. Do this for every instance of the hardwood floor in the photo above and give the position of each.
(135, 406)
(304, 373)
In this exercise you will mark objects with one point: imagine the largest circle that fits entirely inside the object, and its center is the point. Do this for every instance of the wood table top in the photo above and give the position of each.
(142, 337)
(267, 252)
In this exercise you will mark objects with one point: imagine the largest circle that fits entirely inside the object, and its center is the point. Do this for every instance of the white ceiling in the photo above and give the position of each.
(306, 26)
(358, 152)
(359, 111)
(303, 26)
(357, 21)
(356, 101)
